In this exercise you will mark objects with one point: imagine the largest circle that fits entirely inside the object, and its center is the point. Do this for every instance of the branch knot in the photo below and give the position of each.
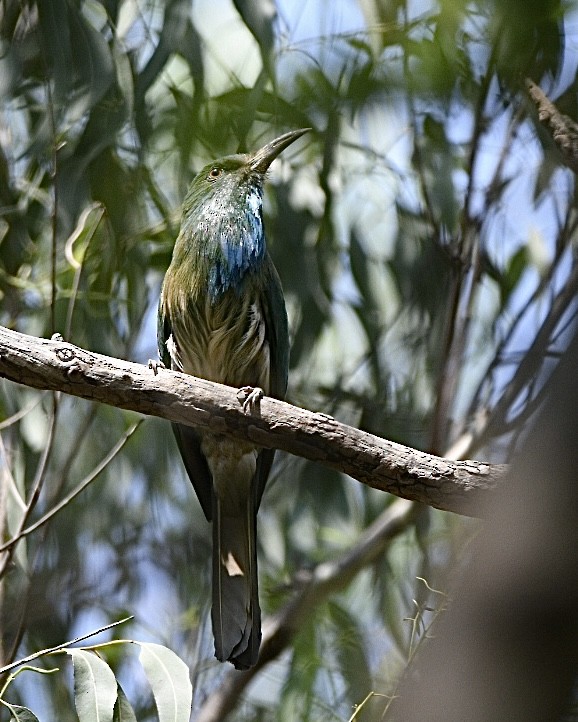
(66, 354)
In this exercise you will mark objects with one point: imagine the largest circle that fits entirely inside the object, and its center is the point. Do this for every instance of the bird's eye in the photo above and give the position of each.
(214, 173)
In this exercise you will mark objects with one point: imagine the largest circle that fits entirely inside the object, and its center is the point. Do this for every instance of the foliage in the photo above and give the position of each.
(97, 694)
(425, 240)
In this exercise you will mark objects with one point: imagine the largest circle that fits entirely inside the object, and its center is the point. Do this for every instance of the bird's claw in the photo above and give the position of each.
(250, 397)
(155, 365)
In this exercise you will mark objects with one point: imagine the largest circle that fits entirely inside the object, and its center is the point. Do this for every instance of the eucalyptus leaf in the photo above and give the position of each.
(94, 687)
(259, 16)
(123, 711)
(169, 679)
(350, 652)
(22, 714)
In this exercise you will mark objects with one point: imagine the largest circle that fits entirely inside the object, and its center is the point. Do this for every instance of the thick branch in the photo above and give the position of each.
(459, 486)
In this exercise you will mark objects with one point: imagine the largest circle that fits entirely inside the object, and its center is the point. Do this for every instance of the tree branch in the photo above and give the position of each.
(458, 486)
(564, 130)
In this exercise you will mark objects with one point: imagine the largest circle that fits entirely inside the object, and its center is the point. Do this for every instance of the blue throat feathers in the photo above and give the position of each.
(240, 242)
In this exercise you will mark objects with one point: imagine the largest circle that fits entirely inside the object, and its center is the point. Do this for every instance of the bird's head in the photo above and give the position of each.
(222, 213)
(233, 180)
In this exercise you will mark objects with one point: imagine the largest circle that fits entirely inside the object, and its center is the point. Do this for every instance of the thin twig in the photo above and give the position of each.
(54, 214)
(417, 151)
(21, 413)
(533, 358)
(11, 482)
(464, 285)
(38, 481)
(496, 422)
(64, 645)
(76, 491)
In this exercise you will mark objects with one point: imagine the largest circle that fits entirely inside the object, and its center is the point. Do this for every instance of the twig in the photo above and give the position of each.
(20, 414)
(564, 240)
(37, 483)
(532, 361)
(76, 491)
(58, 647)
(54, 213)
(464, 284)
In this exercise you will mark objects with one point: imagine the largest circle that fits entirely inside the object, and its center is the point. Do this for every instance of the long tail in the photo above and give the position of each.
(235, 613)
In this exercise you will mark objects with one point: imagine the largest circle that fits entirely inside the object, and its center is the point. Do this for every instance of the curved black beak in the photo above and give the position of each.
(261, 159)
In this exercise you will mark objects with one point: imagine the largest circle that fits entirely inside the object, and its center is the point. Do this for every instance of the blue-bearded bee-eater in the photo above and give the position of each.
(222, 317)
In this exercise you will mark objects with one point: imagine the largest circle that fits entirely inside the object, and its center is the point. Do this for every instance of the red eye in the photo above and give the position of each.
(214, 173)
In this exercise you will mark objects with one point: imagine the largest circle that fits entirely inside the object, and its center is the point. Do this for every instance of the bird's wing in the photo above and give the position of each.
(189, 445)
(188, 440)
(277, 334)
(164, 332)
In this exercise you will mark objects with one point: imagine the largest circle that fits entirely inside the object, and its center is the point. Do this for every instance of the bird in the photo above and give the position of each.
(222, 317)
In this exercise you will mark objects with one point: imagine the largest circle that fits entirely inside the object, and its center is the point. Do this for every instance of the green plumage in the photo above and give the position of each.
(222, 317)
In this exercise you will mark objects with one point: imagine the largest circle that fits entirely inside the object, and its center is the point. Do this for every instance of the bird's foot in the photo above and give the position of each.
(250, 397)
(155, 365)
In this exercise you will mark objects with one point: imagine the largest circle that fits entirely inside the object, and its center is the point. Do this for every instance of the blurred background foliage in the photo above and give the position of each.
(425, 234)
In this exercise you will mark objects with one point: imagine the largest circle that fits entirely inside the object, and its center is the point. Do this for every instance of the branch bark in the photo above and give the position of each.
(564, 130)
(458, 486)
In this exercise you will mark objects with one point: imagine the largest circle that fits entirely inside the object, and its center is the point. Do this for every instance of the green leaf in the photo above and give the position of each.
(269, 103)
(78, 54)
(123, 712)
(298, 694)
(351, 653)
(124, 76)
(22, 714)
(259, 16)
(516, 267)
(168, 677)
(94, 687)
(85, 229)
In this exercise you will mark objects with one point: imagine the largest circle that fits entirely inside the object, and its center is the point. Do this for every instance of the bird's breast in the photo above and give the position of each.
(222, 340)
